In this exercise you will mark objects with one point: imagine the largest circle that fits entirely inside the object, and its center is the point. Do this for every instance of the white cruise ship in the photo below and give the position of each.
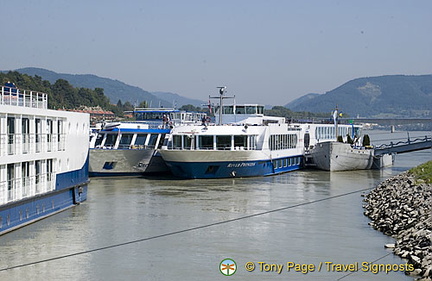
(130, 148)
(43, 158)
(244, 143)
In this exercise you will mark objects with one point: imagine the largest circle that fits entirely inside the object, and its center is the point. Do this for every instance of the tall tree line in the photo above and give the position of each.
(61, 94)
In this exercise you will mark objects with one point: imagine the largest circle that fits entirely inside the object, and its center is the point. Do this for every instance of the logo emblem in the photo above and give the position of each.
(228, 267)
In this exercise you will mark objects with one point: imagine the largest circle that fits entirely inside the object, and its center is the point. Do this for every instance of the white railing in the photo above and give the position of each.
(18, 97)
(11, 144)
(19, 188)
(26, 141)
(3, 192)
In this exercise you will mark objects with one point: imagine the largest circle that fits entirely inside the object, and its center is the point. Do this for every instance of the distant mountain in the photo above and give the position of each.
(301, 100)
(178, 100)
(113, 89)
(384, 96)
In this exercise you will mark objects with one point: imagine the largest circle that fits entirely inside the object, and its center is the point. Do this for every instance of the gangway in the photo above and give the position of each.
(403, 146)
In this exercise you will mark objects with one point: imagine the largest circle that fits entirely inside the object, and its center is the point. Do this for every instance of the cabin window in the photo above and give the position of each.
(228, 109)
(153, 140)
(240, 109)
(286, 141)
(11, 134)
(110, 140)
(99, 139)
(38, 127)
(49, 169)
(187, 142)
(176, 142)
(205, 142)
(60, 135)
(223, 142)
(250, 109)
(37, 170)
(252, 142)
(49, 131)
(10, 180)
(260, 110)
(240, 141)
(141, 139)
(25, 131)
(25, 175)
(125, 140)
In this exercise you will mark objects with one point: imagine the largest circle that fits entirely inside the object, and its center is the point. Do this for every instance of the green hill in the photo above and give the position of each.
(61, 94)
(385, 96)
(115, 90)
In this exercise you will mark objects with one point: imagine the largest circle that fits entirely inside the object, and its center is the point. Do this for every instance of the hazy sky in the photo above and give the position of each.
(268, 52)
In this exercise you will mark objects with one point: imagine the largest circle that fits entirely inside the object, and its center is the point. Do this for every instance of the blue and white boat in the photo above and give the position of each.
(244, 143)
(43, 158)
(130, 148)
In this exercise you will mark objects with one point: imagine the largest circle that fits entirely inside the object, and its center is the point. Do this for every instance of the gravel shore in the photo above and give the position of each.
(401, 207)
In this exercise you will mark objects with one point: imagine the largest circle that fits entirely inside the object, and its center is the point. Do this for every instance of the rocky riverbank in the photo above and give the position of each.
(401, 207)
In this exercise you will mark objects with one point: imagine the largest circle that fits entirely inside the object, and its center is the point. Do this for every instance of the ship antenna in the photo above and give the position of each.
(221, 97)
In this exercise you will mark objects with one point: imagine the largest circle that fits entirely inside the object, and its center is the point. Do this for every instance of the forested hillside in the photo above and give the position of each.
(61, 94)
(115, 90)
(384, 96)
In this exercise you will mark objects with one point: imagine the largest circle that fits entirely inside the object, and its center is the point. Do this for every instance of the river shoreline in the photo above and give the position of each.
(401, 207)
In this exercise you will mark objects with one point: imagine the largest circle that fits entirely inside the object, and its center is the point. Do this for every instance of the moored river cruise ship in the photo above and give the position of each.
(236, 150)
(43, 158)
(243, 143)
(129, 148)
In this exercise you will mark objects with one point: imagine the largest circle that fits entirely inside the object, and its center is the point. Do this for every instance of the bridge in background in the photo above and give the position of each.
(390, 121)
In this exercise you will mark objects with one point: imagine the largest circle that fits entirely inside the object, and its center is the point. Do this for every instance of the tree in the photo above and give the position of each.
(143, 104)
(191, 108)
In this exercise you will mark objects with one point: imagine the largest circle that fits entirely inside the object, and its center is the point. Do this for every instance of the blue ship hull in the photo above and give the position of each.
(71, 190)
(234, 169)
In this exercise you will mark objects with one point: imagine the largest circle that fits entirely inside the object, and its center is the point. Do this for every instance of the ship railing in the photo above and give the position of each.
(27, 184)
(151, 124)
(61, 142)
(17, 97)
(38, 142)
(49, 143)
(11, 144)
(409, 141)
(18, 188)
(3, 192)
(26, 148)
(14, 144)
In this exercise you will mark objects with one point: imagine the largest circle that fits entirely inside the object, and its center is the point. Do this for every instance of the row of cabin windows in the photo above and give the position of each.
(38, 133)
(243, 109)
(326, 133)
(283, 141)
(25, 127)
(126, 140)
(213, 142)
(27, 178)
(287, 162)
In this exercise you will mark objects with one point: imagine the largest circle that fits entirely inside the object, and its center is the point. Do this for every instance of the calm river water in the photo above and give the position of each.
(183, 229)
